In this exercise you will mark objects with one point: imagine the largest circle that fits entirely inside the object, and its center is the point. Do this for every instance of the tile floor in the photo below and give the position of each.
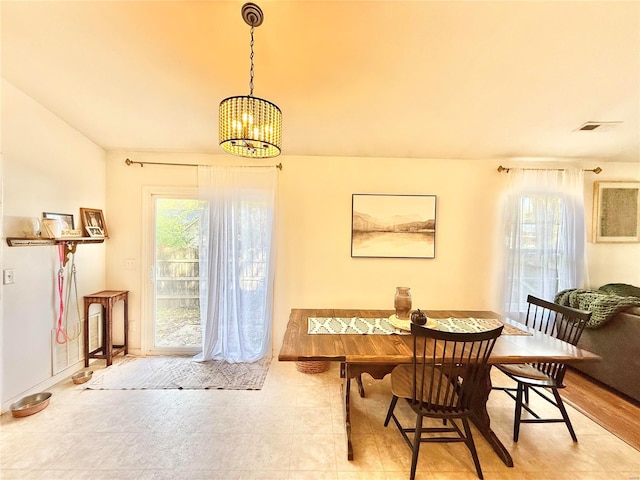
(290, 430)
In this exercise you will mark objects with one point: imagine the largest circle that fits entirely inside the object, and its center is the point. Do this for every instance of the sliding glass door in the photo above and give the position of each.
(173, 320)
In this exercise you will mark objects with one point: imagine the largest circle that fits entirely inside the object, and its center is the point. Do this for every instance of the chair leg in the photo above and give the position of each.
(564, 413)
(416, 447)
(526, 394)
(518, 412)
(392, 407)
(472, 447)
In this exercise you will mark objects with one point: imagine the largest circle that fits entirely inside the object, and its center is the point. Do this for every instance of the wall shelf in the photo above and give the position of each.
(70, 244)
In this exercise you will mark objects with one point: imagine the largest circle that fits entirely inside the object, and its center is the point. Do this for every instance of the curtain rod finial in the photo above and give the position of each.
(131, 162)
(502, 169)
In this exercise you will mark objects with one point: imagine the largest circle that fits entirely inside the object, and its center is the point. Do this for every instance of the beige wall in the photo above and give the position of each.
(611, 262)
(48, 167)
(125, 201)
(314, 267)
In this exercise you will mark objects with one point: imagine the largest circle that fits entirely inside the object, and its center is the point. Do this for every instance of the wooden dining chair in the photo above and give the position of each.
(564, 323)
(441, 383)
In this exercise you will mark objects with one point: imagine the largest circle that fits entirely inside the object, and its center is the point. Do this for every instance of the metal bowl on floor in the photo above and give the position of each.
(82, 377)
(30, 404)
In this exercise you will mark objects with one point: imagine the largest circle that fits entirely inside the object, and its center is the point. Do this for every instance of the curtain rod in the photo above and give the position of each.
(596, 170)
(142, 164)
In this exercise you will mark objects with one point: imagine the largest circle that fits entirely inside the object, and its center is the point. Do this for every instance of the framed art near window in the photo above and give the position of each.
(616, 212)
(395, 226)
(92, 217)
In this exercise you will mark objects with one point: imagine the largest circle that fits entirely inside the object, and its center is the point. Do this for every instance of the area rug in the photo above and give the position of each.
(158, 373)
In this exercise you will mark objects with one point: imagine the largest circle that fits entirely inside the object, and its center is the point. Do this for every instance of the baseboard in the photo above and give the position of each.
(43, 386)
(604, 386)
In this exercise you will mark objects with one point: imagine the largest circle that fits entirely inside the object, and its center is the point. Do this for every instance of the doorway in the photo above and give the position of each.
(173, 293)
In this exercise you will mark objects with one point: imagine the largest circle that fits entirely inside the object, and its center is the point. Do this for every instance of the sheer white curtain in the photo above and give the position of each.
(544, 235)
(237, 262)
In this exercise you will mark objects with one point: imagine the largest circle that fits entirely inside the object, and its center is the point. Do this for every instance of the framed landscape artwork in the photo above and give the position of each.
(616, 212)
(393, 226)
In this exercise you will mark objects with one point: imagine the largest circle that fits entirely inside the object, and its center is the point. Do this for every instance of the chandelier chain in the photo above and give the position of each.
(251, 70)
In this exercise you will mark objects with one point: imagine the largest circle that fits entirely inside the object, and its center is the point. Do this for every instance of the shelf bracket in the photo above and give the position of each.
(69, 249)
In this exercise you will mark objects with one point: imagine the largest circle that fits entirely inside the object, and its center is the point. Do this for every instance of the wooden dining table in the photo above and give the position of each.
(378, 354)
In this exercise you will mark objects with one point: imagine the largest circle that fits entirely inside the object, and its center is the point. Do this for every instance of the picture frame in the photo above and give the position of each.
(50, 228)
(616, 212)
(94, 232)
(65, 219)
(92, 217)
(75, 233)
(393, 226)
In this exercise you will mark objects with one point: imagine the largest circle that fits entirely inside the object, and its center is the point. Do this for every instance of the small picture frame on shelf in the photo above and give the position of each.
(94, 232)
(65, 219)
(92, 217)
(71, 233)
(51, 228)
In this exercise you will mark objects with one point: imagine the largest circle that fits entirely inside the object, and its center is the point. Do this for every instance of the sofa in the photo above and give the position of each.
(614, 334)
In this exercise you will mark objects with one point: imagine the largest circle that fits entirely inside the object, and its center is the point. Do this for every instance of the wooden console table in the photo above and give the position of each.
(107, 350)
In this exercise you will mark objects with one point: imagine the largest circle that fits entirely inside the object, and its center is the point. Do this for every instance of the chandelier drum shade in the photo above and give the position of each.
(250, 126)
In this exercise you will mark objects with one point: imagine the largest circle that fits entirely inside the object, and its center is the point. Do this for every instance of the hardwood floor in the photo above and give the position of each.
(618, 414)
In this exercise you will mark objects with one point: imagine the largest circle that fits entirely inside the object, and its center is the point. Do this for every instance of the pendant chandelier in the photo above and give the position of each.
(250, 126)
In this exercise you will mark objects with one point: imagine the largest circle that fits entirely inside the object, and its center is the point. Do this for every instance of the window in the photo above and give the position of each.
(537, 246)
(544, 237)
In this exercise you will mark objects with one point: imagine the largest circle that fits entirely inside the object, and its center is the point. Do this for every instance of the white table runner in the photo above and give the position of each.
(382, 326)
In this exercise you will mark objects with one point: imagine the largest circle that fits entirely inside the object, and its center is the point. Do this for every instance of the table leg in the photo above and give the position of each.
(481, 419)
(360, 386)
(347, 372)
(126, 325)
(346, 397)
(108, 335)
(86, 333)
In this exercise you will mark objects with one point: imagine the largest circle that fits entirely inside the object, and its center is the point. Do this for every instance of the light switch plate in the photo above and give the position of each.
(7, 276)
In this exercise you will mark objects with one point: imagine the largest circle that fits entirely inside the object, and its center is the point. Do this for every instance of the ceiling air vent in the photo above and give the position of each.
(599, 126)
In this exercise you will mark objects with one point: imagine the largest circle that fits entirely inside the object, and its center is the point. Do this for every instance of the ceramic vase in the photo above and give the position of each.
(402, 302)
(31, 227)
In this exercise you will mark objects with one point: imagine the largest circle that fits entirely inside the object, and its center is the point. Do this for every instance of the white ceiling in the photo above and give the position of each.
(418, 79)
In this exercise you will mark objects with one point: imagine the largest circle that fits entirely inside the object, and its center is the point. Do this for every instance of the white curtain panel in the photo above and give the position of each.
(544, 235)
(237, 262)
